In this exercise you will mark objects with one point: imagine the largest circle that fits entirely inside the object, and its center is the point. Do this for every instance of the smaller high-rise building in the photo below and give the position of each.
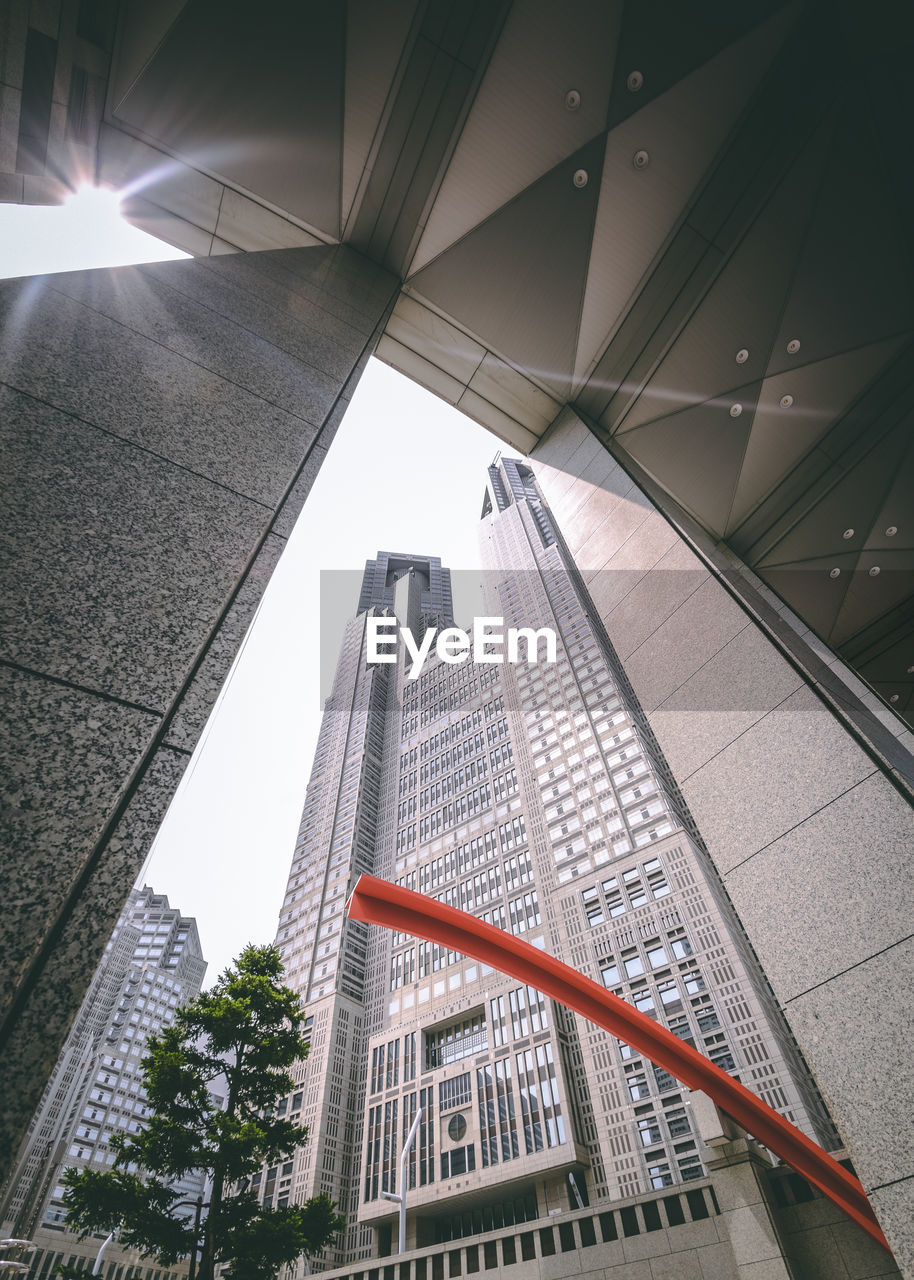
(152, 965)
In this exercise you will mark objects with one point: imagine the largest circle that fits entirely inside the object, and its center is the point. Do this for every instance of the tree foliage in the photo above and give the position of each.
(243, 1035)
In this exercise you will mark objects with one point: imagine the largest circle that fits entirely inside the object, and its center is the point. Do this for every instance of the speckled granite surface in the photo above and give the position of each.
(118, 559)
(69, 754)
(161, 427)
(190, 717)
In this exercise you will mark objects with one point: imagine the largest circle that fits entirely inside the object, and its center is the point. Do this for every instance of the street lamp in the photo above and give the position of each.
(401, 1198)
(17, 1249)
(199, 1206)
(98, 1257)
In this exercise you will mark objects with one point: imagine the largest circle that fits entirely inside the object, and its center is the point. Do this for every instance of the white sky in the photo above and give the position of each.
(406, 472)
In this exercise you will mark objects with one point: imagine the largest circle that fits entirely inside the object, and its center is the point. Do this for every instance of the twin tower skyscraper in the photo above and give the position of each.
(533, 795)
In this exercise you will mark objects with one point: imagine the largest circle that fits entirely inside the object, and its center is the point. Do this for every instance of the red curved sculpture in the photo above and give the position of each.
(379, 902)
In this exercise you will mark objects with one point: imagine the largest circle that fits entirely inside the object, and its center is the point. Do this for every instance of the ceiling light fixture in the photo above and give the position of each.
(735, 410)
(875, 571)
(742, 355)
(580, 178)
(634, 82)
(786, 401)
(641, 159)
(891, 531)
(572, 100)
(835, 573)
(793, 346)
(848, 533)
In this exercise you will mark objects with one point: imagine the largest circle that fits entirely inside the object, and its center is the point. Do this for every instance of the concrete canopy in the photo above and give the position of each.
(741, 191)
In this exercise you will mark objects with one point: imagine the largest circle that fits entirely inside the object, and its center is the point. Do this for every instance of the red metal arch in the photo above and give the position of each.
(379, 902)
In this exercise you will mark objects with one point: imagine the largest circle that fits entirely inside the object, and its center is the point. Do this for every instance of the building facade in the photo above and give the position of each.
(534, 795)
(153, 964)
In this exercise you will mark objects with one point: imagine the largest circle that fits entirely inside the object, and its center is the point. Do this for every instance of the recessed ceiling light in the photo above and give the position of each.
(742, 356)
(641, 159)
(735, 410)
(891, 531)
(786, 402)
(634, 82)
(848, 533)
(835, 573)
(911, 671)
(580, 178)
(793, 346)
(572, 100)
(894, 698)
(875, 571)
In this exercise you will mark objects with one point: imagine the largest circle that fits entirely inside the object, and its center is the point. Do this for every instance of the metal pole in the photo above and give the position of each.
(98, 1258)
(192, 1268)
(407, 1147)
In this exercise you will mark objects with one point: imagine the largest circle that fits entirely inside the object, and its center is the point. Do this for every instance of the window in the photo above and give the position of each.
(657, 956)
(609, 972)
(497, 1113)
(460, 1160)
(454, 1093)
(541, 1108)
(593, 907)
(679, 1025)
(659, 1174)
(688, 1161)
(459, 1040)
(670, 997)
(649, 1131)
(676, 1119)
(637, 1086)
(634, 966)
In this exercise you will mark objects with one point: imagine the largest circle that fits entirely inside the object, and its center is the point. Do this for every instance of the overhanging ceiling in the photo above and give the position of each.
(690, 221)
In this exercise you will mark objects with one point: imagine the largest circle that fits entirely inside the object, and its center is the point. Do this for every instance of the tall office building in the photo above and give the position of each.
(533, 795)
(152, 965)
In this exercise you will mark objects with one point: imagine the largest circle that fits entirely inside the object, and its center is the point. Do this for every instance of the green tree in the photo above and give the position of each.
(248, 1030)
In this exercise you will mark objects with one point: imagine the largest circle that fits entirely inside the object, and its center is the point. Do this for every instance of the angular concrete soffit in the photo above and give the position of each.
(460, 369)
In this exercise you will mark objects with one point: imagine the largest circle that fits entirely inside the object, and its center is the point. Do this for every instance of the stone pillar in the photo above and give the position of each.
(161, 428)
(738, 1168)
(807, 825)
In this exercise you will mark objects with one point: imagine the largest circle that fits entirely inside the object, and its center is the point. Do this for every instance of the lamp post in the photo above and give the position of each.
(13, 1252)
(17, 1249)
(198, 1209)
(97, 1266)
(401, 1198)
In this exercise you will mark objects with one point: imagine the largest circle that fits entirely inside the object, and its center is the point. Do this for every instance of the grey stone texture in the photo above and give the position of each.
(161, 428)
(806, 829)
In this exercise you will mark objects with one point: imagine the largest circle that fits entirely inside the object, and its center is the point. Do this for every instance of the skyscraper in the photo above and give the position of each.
(534, 795)
(152, 965)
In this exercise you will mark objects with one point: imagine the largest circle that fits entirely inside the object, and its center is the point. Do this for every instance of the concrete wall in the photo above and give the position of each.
(725, 1230)
(161, 428)
(807, 829)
